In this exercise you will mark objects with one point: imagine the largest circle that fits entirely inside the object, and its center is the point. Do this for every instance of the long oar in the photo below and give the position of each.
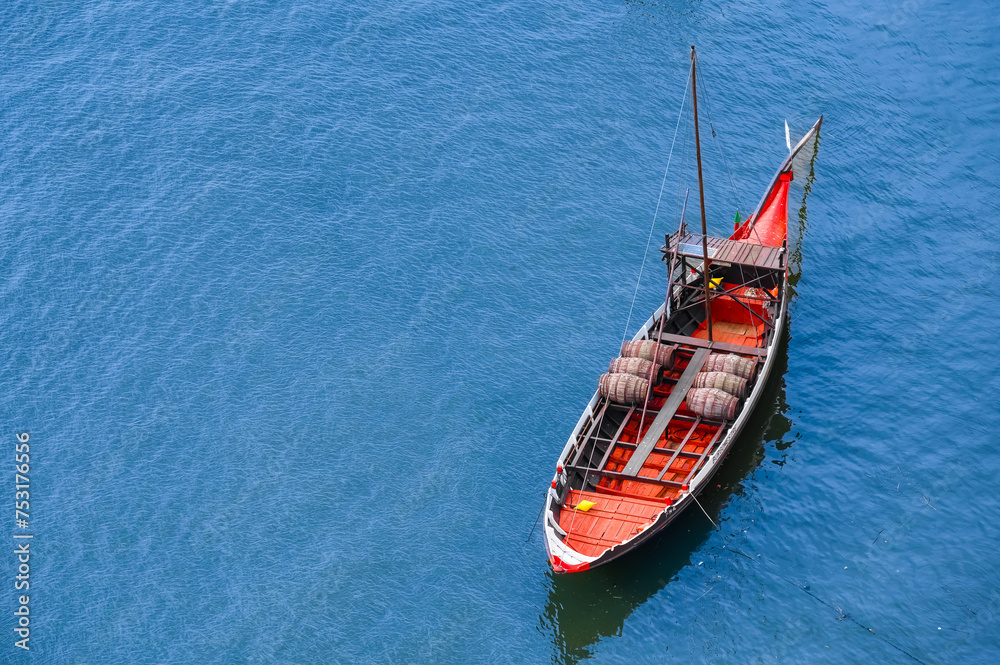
(536, 519)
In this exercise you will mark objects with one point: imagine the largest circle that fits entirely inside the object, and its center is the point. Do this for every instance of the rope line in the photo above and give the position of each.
(656, 212)
(802, 587)
(680, 115)
(718, 141)
(725, 163)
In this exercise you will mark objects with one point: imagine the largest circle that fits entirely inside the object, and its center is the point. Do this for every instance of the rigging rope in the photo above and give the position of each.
(680, 115)
(680, 174)
(718, 141)
(802, 587)
(656, 212)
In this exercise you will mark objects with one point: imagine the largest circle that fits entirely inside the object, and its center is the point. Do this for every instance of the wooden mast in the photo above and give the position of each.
(706, 264)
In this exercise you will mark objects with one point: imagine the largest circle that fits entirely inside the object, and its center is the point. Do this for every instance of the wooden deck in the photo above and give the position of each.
(724, 250)
(718, 344)
(611, 520)
(738, 335)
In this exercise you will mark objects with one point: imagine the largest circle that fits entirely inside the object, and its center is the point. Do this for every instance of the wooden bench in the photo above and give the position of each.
(720, 347)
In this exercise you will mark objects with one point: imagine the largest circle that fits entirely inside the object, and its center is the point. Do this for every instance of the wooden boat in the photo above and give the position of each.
(661, 423)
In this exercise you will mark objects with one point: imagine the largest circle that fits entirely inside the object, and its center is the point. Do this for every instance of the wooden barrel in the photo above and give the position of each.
(623, 388)
(712, 403)
(661, 354)
(637, 366)
(730, 364)
(730, 383)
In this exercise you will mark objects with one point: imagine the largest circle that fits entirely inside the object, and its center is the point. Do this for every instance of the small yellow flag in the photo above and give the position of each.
(585, 505)
(715, 282)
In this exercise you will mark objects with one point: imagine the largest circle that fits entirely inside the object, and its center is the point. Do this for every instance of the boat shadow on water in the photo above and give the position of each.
(584, 608)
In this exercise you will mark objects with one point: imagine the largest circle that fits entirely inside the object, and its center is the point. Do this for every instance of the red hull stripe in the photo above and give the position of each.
(559, 566)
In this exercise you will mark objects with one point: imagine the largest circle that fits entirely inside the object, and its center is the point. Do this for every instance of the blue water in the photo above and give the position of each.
(300, 302)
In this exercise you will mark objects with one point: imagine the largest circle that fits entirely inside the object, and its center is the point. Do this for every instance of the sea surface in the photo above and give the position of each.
(299, 302)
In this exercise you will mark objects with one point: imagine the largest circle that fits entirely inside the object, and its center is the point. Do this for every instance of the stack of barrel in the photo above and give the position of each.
(720, 386)
(628, 378)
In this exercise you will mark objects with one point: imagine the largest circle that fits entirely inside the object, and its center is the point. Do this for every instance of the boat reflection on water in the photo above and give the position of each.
(583, 609)
(804, 164)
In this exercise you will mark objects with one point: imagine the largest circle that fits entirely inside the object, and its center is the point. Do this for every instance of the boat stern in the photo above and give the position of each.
(562, 557)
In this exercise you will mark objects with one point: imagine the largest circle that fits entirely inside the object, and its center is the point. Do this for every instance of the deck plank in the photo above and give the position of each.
(743, 252)
(714, 346)
(767, 259)
(659, 424)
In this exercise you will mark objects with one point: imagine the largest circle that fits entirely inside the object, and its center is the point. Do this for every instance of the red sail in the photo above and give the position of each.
(771, 226)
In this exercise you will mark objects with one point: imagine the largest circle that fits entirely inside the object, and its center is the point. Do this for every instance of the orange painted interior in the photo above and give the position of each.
(622, 508)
